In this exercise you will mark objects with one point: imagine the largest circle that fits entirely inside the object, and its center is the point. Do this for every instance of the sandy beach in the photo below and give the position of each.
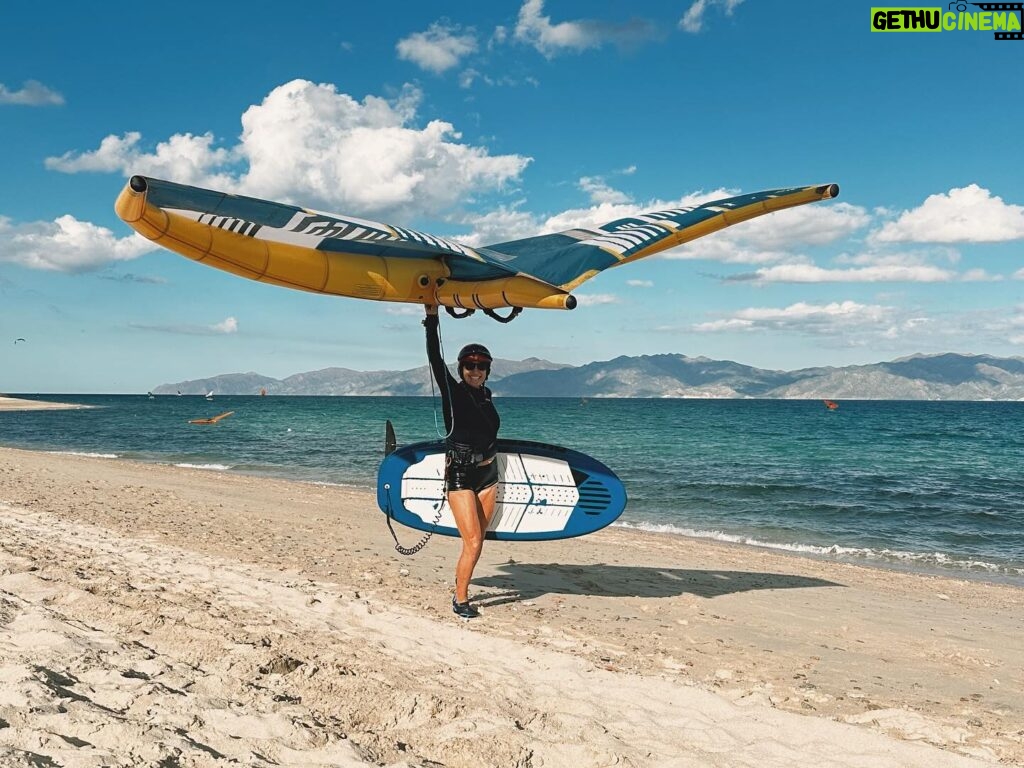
(21, 404)
(155, 615)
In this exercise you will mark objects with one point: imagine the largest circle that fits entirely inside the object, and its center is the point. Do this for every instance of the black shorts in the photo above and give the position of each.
(471, 477)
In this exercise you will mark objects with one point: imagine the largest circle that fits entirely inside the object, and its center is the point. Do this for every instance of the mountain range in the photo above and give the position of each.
(919, 377)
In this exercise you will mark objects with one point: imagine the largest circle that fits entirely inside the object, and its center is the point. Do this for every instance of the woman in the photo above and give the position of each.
(471, 469)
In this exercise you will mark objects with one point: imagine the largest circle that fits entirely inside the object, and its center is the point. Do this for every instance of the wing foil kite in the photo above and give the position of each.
(346, 256)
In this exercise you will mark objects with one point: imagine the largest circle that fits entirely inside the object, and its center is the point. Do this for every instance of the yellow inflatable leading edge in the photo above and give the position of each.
(347, 256)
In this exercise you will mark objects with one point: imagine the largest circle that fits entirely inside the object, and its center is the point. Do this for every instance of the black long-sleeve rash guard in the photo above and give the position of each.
(470, 417)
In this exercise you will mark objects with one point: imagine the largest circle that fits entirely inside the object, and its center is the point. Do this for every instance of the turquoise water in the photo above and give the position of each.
(930, 486)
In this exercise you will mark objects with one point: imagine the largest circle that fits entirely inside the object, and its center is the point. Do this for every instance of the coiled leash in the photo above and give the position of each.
(407, 551)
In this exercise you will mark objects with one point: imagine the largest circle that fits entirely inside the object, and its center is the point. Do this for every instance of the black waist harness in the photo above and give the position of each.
(464, 455)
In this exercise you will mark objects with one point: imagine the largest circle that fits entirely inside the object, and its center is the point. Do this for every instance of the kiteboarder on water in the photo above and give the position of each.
(471, 468)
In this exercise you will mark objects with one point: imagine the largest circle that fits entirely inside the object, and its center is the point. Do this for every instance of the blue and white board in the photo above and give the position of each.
(544, 491)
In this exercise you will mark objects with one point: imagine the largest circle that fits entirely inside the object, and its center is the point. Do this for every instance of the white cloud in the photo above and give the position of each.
(500, 225)
(693, 19)
(468, 76)
(810, 225)
(404, 310)
(595, 299)
(438, 49)
(227, 325)
(876, 327)
(640, 283)
(796, 226)
(809, 273)
(600, 192)
(871, 258)
(814, 224)
(769, 239)
(979, 276)
(67, 245)
(605, 212)
(1014, 324)
(997, 325)
(802, 317)
(309, 144)
(536, 29)
(968, 214)
(185, 158)
(727, 250)
(32, 94)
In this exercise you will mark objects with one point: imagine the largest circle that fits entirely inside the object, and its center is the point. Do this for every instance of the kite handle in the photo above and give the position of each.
(507, 319)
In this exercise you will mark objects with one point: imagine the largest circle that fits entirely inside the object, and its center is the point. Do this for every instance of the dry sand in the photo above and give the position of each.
(154, 615)
(21, 404)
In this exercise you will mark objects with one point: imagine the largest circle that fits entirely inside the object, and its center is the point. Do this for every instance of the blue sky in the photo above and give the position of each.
(490, 121)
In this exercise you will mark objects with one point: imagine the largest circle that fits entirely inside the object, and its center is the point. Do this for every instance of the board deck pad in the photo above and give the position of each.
(544, 491)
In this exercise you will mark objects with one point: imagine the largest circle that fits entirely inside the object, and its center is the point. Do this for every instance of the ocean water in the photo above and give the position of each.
(929, 486)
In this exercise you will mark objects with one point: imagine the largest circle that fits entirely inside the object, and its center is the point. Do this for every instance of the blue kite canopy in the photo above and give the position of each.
(348, 256)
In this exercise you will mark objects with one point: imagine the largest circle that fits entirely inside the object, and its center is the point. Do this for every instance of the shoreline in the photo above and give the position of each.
(811, 552)
(21, 404)
(621, 620)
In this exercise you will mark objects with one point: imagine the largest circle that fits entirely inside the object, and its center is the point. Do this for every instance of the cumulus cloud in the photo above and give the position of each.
(600, 192)
(802, 317)
(67, 245)
(309, 144)
(32, 94)
(693, 19)
(536, 29)
(185, 158)
(968, 214)
(814, 224)
(773, 238)
(499, 225)
(438, 49)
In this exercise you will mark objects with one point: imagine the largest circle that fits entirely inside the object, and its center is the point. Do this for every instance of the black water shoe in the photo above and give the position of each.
(464, 610)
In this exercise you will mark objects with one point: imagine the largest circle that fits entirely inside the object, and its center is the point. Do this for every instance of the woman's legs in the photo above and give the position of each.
(469, 519)
(473, 512)
(487, 498)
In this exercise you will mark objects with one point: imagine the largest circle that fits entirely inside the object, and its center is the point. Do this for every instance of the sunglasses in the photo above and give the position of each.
(471, 366)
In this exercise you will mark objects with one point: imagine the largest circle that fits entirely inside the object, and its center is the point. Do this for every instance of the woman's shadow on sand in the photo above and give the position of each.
(526, 581)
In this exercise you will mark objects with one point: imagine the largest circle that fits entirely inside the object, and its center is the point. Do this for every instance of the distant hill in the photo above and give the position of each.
(342, 381)
(919, 377)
